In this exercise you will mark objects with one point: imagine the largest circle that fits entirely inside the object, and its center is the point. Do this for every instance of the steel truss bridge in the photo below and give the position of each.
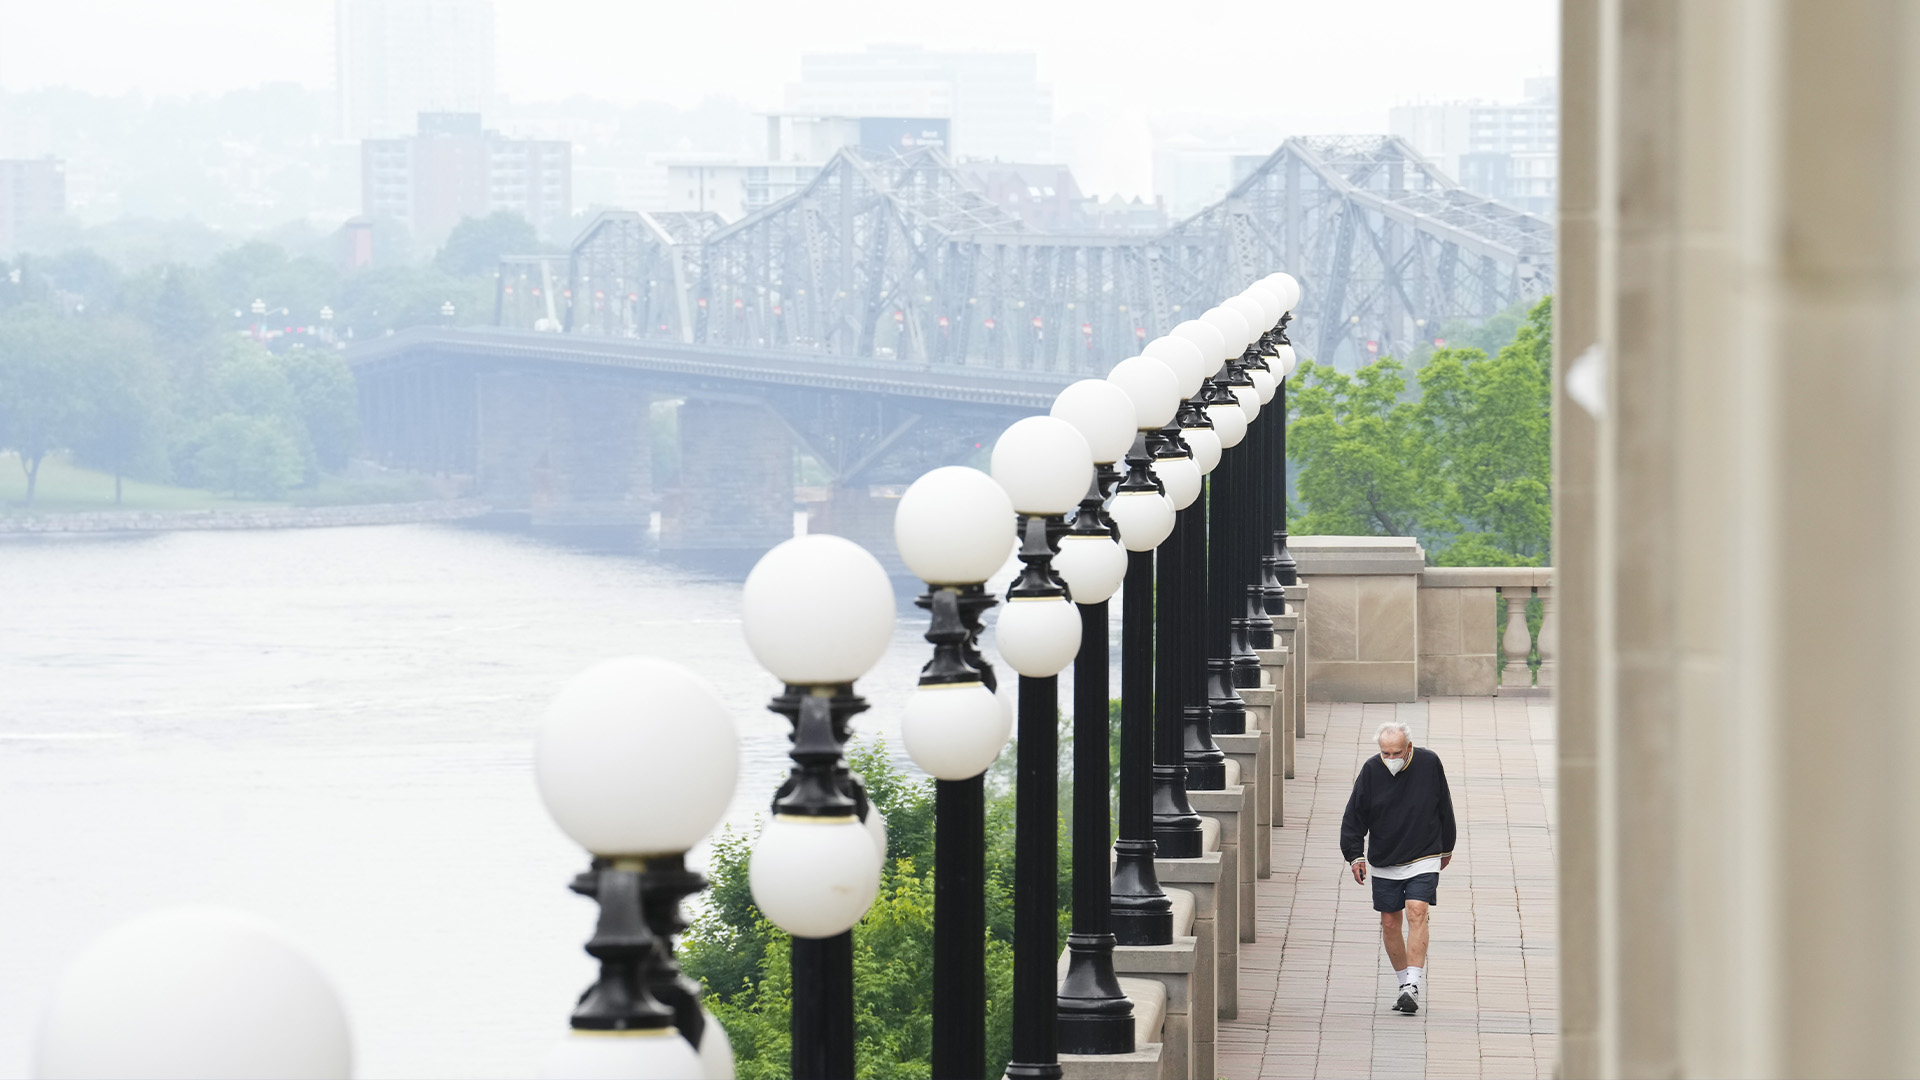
(895, 259)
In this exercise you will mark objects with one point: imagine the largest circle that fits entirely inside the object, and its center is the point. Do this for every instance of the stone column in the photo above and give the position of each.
(1737, 477)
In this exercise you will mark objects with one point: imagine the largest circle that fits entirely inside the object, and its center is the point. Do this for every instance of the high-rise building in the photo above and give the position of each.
(32, 192)
(453, 169)
(998, 108)
(396, 59)
(1506, 151)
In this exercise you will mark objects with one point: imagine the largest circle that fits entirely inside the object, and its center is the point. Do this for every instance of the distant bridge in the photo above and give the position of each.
(896, 257)
(889, 317)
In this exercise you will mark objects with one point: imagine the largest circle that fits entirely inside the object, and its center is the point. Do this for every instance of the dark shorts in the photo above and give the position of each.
(1389, 895)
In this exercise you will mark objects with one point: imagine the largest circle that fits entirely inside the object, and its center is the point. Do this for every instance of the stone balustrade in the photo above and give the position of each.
(1387, 627)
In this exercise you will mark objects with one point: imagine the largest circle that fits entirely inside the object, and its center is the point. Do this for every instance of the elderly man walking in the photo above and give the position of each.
(1401, 809)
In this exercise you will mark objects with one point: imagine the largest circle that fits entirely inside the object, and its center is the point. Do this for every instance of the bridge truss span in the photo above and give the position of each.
(894, 258)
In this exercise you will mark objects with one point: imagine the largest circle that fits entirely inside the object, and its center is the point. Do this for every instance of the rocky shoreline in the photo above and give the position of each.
(279, 517)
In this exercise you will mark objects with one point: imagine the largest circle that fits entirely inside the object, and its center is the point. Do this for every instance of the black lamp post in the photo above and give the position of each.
(1284, 566)
(599, 761)
(1141, 911)
(1206, 765)
(1045, 465)
(815, 868)
(1095, 1016)
(1176, 827)
(951, 529)
(1227, 710)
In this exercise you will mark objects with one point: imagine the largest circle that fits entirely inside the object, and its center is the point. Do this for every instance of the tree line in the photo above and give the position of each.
(166, 373)
(1461, 457)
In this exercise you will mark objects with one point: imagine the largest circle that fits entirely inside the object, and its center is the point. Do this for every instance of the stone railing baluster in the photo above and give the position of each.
(1549, 643)
(1516, 642)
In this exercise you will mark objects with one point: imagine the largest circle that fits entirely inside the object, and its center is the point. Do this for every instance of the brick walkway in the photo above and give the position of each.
(1315, 989)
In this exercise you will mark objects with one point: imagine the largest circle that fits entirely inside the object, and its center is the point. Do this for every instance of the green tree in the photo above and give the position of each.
(254, 456)
(1487, 425)
(44, 400)
(326, 401)
(1358, 445)
(476, 244)
(126, 387)
(1465, 465)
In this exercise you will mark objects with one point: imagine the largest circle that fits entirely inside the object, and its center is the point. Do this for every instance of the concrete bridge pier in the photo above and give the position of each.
(736, 481)
(572, 450)
(863, 516)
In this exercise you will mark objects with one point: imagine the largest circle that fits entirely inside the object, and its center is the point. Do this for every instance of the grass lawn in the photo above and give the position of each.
(65, 487)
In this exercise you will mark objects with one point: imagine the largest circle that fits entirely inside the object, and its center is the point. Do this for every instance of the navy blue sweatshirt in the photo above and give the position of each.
(1404, 817)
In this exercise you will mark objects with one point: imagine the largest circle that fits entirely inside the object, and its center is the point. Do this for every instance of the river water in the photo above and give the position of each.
(332, 728)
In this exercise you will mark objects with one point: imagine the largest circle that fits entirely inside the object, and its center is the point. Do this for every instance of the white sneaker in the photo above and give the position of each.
(1409, 1002)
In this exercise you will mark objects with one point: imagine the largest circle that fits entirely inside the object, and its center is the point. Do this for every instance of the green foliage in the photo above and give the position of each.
(1465, 465)
(326, 403)
(254, 456)
(44, 404)
(743, 960)
(476, 244)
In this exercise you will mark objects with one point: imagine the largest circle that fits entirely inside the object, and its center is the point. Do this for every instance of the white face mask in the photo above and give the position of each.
(1394, 765)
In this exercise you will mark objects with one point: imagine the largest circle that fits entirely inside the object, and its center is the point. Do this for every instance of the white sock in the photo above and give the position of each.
(1402, 975)
(1417, 976)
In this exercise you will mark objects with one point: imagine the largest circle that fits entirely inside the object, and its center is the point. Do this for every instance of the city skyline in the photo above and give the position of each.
(1107, 113)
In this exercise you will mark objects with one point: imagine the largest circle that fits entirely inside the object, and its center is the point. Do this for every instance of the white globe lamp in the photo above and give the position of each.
(818, 610)
(1153, 388)
(1102, 413)
(1205, 444)
(1045, 465)
(1233, 329)
(196, 991)
(1229, 422)
(954, 526)
(1213, 346)
(814, 876)
(1038, 636)
(1092, 566)
(1145, 518)
(637, 756)
(652, 1053)
(954, 731)
(1182, 479)
(1184, 357)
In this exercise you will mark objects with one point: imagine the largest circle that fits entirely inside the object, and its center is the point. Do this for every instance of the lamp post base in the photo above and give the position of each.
(1206, 765)
(1176, 828)
(1094, 1016)
(1226, 709)
(1141, 912)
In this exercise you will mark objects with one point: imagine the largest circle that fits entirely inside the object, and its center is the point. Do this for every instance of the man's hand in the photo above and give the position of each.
(1444, 860)
(1360, 871)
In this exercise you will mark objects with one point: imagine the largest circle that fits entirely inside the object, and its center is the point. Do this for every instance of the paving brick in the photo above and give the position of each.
(1315, 991)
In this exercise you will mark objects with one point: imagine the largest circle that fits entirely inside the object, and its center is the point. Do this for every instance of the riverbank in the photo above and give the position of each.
(266, 517)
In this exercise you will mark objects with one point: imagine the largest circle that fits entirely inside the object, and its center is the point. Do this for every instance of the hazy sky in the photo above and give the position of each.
(1305, 65)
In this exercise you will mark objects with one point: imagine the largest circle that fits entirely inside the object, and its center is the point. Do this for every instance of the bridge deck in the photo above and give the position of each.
(1315, 989)
(1026, 391)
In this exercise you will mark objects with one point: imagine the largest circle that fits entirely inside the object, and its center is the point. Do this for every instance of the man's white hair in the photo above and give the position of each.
(1391, 726)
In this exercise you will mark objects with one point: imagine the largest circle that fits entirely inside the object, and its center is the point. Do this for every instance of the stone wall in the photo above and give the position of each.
(1364, 610)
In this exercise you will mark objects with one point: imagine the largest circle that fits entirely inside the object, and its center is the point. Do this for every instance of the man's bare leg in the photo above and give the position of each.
(1416, 935)
(1396, 944)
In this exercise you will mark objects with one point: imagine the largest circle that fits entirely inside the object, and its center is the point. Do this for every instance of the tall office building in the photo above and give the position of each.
(1507, 151)
(997, 107)
(32, 192)
(454, 169)
(396, 59)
